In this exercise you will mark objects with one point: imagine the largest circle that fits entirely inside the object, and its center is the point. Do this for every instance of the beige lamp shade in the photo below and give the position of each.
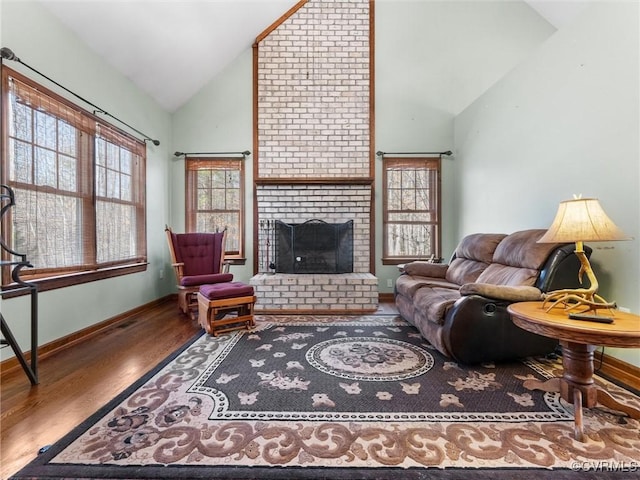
(582, 220)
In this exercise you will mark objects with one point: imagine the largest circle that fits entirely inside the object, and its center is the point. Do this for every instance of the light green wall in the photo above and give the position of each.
(421, 50)
(564, 121)
(41, 41)
(219, 118)
(432, 59)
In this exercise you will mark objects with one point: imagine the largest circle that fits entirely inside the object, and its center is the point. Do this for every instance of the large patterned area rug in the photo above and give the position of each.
(339, 397)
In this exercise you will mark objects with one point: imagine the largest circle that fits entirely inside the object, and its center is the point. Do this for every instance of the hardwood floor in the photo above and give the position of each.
(75, 382)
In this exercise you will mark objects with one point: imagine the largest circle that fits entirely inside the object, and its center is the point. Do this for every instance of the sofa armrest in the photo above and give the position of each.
(426, 269)
(509, 293)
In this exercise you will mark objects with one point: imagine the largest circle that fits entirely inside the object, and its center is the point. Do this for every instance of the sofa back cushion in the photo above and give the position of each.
(472, 256)
(518, 259)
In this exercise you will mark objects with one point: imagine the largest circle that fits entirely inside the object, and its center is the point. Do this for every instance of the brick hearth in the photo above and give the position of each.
(344, 293)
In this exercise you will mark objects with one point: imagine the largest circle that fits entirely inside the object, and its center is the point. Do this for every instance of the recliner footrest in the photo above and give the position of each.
(218, 300)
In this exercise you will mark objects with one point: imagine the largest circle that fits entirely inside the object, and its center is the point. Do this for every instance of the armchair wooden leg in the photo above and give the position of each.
(203, 314)
(188, 302)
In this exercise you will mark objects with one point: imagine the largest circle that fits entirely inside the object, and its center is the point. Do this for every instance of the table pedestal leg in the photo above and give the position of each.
(578, 430)
(551, 385)
(577, 365)
(605, 398)
(576, 385)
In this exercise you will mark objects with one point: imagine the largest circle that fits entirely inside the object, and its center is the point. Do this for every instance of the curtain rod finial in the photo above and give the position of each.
(448, 152)
(379, 153)
(178, 154)
(8, 54)
(246, 153)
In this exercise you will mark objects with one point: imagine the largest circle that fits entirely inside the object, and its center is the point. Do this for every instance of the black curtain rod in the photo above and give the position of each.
(180, 154)
(382, 154)
(7, 54)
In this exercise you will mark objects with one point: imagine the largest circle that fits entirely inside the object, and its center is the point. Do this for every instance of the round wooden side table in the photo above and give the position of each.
(579, 339)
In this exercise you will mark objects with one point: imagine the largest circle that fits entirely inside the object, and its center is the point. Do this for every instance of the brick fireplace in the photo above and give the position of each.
(313, 153)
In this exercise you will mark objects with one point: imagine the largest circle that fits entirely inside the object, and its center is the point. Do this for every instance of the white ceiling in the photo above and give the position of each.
(169, 48)
(172, 48)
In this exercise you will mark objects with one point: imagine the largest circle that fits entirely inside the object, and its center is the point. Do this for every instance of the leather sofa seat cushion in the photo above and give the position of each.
(472, 256)
(431, 331)
(435, 302)
(406, 308)
(407, 285)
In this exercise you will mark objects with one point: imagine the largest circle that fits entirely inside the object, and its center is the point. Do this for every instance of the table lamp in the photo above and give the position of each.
(581, 220)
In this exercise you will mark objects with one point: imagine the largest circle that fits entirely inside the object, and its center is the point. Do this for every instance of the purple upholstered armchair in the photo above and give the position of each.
(197, 259)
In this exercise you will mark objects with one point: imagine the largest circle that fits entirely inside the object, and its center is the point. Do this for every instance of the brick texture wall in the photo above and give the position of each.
(313, 93)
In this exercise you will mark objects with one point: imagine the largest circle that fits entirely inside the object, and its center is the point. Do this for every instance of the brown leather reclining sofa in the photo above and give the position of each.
(461, 307)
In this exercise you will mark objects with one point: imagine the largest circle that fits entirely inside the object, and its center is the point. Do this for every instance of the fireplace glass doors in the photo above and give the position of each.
(314, 246)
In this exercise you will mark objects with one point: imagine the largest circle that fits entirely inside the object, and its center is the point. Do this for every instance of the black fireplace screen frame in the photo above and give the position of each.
(314, 246)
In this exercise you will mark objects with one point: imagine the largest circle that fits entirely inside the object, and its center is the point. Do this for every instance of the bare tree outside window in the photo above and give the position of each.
(79, 186)
(215, 199)
(411, 209)
(116, 206)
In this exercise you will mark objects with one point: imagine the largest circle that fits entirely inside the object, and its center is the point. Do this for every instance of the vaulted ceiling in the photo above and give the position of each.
(172, 48)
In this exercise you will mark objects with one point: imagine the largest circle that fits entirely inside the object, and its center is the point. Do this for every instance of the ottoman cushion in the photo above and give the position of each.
(218, 291)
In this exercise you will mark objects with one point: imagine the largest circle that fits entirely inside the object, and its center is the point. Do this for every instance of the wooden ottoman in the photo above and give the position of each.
(218, 300)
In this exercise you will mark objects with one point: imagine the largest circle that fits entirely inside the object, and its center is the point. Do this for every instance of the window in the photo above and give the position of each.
(215, 199)
(79, 187)
(411, 209)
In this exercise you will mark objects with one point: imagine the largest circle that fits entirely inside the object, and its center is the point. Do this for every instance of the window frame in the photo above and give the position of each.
(194, 164)
(88, 269)
(432, 164)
